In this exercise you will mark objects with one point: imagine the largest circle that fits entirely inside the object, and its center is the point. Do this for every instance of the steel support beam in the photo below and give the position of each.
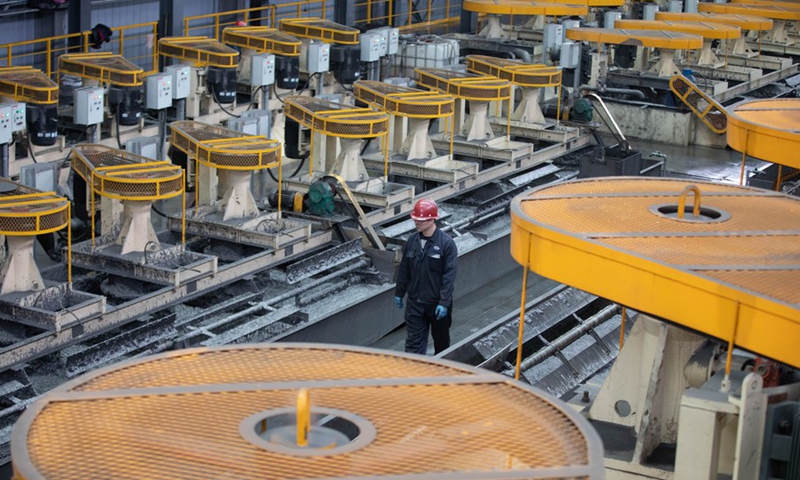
(345, 12)
(79, 18)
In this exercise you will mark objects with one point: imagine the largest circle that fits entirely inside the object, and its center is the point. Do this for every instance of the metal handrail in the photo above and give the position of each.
(50, 49)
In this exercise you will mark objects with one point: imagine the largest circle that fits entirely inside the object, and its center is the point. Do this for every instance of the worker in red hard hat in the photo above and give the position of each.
(427, 273)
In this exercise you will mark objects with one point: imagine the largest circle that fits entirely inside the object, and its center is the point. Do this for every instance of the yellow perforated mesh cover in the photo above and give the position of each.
(469, 86)
(336, 119)
(28, 85)
(200, 50)
(219, 147)
(103, 67)
(731, 273)
(404, 101)
(516, 72)
(262, 39)
(119, 174)
(766, 129)
(178, 416)
(320, 29)
(26, 211)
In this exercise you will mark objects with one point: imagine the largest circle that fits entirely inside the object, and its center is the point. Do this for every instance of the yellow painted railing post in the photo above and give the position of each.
(622, 328)
(183, 211)
(521, 333)
(122, 42)
(280, 179)
(69, 243)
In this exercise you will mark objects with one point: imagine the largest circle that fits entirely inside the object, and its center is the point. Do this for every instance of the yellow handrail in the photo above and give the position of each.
(43, 53)
(212, 24)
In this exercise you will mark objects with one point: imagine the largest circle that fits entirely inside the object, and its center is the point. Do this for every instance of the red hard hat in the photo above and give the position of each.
(240, 23)
(425, 209)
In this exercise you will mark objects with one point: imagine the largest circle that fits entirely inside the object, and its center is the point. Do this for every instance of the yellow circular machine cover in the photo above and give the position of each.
(197, 414)
(730, 270)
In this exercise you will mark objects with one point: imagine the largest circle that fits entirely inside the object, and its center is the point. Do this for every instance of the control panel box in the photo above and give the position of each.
(180, 80)
(553, 35)
(392, 39)
(6, 118)
(262, 118)
(570, 55)
(88, 105)
(262, 70)
(318, 57)
(244, 125)
(144, 146)
(158, 91)
(370, 43)
(17, 116)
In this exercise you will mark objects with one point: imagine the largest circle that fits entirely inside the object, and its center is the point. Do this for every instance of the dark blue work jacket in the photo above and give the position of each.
(428, 275)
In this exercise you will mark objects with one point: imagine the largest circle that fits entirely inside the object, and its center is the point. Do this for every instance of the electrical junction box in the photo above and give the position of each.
(318, 57)
(158, 91)
(392, 39)
(649, 11)
(17, 116)
(144, 146)
(6, 118)
(41, 176)
(262, 117)
(262, 70)
(610, 17)
(244, 125)
(567, 24)
(180, 80)
(88, 105)
(570, 55)
(370, 46)
(553, 33)
(383, 36)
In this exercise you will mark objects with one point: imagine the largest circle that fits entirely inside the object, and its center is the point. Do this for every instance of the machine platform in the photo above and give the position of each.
(764, 129)
(474, 136)
(103, 67)
(495, 9)
(320, 29)
(345, 126)
(133, 249)
(530, 8)
(201, 51)
(234, 402)
(737, 52)
(638, 231)
(706, 61)
(24, 296)
(527, 121)
(262, 39)
(777, 40)
(27, 84)
(236, 218)
(412, 110)
(666, 42)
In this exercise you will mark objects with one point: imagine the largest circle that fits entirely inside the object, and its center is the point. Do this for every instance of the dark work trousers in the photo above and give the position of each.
(419, 318)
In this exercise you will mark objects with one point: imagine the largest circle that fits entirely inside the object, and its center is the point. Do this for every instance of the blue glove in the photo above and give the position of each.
(398, 301)
(441, 312)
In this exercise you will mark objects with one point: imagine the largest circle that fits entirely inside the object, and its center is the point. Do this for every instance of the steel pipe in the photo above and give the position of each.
(570, 336)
